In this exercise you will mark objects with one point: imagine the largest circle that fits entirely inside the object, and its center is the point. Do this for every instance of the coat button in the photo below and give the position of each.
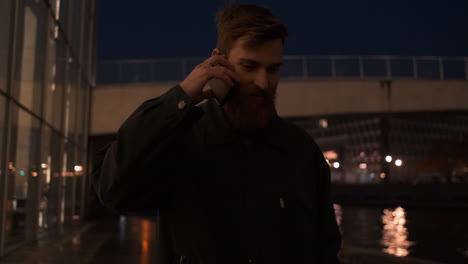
(181, 105)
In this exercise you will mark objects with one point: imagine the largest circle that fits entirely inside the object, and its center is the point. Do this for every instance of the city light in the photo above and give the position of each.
(44, 166)
(78, 168)
(336, 165)
(382, 175)
(398, 162)
(388, 158)
(395, 234)
(323, 123)
(11, 166)
(330, 155)
(363, 166)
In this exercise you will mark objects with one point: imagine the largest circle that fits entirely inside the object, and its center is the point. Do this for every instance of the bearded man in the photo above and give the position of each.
(232, 182)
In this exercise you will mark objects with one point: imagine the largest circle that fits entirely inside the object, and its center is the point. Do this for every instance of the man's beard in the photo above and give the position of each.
(250, 109)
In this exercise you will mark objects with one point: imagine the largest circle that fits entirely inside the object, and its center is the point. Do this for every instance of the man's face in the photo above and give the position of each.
(252, 104)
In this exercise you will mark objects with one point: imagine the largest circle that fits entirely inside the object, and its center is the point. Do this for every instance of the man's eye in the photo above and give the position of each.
(274, 69)
(248, 67)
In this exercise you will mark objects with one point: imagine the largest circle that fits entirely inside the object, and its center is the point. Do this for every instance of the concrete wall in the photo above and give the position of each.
(113, 104)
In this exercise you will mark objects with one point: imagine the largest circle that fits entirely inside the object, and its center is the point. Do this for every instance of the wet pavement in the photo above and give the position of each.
(123, 240)
(133, 240)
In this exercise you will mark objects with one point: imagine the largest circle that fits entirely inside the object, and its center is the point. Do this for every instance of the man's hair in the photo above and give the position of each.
(254, 22)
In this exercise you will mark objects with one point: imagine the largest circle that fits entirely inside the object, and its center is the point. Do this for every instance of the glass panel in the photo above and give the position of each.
(50, 180)
(62, 15)
(428, 69)
(454, 69)
(54, 91)
(82, 114)
(76, 21)
(2, 132)
(23, 168)
(292, 68)
(319, 67)
(80, 187)
(5, 30)
(108, 73)
(71, 100)
(375, 68)
(347, 67)
(29, 66)
(69, 182)
(402, 68)
(87, 31)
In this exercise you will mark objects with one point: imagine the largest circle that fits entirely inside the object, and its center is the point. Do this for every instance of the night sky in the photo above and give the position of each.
(144, 29)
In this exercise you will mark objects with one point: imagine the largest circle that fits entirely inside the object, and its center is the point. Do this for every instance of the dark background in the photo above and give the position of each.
(146, 29)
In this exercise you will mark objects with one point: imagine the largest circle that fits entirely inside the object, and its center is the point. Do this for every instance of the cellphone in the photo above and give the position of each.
(221, 90)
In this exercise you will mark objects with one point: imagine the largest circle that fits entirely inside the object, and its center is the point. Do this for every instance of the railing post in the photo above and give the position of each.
(120, 72)
(153, 71)
(304, 67)
(389, 67)
(441, 68)
(415, 68)
(361, 67)
(333, 67)
(466, 68)
(184, 68)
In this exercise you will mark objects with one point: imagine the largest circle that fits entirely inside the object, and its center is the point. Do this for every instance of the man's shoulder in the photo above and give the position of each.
(295, 135)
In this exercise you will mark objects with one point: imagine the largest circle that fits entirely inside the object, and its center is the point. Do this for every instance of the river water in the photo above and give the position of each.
(434, 234)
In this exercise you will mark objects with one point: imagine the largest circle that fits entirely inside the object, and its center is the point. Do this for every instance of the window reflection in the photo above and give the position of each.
(22, 166)
(50, 168)
(30, 56)
(5, 28)
(395, 234)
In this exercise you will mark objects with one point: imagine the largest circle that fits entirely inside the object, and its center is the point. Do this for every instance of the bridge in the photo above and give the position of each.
(310, 86)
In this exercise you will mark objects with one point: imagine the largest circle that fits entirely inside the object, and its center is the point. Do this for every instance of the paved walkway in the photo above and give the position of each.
(132, 240)
(120, 241)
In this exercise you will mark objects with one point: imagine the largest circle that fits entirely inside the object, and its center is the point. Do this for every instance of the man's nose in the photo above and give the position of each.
(261, 79)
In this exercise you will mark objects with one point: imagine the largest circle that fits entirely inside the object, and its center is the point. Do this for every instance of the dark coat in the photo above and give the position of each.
(223, 197)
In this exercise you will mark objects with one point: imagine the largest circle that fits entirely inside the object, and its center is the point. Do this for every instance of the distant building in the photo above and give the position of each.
(396, 148)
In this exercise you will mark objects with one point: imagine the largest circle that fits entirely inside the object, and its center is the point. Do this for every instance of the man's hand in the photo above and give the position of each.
(217, 66)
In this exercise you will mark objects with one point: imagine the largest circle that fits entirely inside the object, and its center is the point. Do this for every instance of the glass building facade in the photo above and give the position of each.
(47, 65)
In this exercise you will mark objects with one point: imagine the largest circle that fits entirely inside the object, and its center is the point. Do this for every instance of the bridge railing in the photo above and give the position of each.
(298, 68)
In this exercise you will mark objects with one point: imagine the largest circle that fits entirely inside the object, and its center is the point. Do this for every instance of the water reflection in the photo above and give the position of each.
(145, 233)
(394, 233)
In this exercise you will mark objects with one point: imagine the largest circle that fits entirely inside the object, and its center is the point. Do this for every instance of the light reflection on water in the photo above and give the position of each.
(394, 233)
(404, 231)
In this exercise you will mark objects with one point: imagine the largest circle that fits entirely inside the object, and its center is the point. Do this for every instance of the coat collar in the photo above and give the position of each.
(217, 130)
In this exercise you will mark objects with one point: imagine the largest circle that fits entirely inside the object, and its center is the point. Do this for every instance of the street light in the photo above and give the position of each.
(398, 162)
(388, 158)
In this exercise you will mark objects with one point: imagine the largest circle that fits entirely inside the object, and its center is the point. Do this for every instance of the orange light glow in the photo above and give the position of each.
(330, 155)
(67, 174)
(145, 234)
(395, 234)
